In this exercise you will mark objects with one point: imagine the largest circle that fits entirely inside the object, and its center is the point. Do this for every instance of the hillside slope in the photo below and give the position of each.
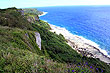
(19, 51)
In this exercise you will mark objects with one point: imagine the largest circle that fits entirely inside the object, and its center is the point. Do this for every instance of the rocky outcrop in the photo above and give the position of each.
(89, 51)
(22, 11)
(37, 18)
(38, 39)
(33, 19)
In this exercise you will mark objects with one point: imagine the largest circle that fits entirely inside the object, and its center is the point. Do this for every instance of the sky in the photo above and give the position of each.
(43, 3)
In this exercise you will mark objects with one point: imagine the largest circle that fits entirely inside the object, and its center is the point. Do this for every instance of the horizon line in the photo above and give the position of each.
(65, 6)
(56, 6)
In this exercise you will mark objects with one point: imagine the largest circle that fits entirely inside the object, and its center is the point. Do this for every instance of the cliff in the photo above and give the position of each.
(38, 39)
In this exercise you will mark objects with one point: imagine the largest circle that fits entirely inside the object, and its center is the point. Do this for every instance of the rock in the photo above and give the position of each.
(38, 39)
(37, 18)
(33, 19)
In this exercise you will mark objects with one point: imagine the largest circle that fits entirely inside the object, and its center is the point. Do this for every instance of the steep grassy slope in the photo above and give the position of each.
(18, 38)
(20, 53)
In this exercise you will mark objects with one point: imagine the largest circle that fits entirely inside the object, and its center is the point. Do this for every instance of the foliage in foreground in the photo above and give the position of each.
(21, 61)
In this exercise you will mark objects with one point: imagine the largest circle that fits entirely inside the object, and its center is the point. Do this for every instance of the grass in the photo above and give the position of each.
(17, 38)
(24, 61)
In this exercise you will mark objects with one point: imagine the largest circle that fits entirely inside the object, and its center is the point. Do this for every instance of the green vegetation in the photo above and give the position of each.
(19, 52)
(31, 14)
(62, 52)
(18, 38)
(21, 61)
(24, 61)
(12, 17)
(32, 11)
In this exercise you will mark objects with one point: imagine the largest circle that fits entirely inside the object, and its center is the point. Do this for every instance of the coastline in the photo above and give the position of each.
(81, 45)
(44, 13)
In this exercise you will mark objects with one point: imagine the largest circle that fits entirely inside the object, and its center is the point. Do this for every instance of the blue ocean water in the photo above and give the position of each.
(91, 22)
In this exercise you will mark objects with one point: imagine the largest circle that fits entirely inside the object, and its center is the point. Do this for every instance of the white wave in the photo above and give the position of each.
(44, 13)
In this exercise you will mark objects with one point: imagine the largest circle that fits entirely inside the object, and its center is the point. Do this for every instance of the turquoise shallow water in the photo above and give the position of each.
(91, 22)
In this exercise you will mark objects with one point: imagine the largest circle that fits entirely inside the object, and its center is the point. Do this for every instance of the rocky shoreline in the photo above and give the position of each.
(81, 45)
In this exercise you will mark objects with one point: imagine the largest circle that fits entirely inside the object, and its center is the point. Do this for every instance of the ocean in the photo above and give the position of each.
(90, 22)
